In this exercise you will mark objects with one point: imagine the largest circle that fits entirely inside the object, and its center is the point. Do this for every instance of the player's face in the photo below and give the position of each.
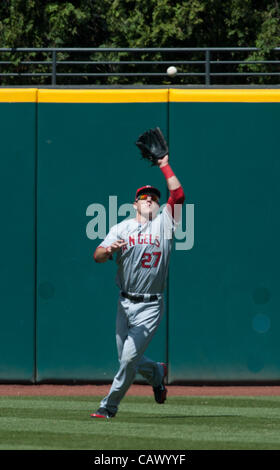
(147, 205)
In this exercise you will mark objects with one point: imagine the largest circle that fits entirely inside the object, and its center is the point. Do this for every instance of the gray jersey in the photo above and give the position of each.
(143, 262)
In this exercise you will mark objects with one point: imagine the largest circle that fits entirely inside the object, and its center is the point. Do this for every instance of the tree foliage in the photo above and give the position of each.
(139, 24)
(29, 23)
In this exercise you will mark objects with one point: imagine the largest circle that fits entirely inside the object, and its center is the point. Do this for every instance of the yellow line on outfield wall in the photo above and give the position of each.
(222, 95)
(18, 95)
(103, 96)
(33, 95)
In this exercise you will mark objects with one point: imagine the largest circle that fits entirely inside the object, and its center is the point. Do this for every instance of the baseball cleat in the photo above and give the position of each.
(102, 413)
(160, 391)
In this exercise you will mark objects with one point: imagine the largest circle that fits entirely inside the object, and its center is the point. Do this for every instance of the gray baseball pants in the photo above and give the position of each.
(135, 327)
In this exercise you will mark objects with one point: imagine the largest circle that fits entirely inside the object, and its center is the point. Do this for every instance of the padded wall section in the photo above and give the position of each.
(17, 234)
(88, 167)
(224, 292)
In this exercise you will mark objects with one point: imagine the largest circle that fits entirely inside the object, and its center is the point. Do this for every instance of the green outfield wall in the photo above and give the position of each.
(224, 298)
(17, 235)
(69, 157)
(86, 154)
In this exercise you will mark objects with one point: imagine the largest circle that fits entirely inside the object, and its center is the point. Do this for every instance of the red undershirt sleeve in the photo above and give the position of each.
(177, 196)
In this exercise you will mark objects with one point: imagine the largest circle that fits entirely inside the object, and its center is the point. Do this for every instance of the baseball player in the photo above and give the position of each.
(142, 246)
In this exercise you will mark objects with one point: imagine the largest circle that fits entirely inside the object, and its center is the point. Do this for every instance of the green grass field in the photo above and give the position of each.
(182, 423)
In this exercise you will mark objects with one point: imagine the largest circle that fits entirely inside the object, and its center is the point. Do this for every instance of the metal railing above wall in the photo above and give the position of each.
(101, 66)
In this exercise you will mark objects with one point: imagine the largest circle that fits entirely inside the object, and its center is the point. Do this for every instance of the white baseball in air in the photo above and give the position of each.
(171, 71)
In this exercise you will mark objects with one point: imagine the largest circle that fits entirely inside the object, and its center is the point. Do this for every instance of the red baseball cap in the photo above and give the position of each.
(147, 190)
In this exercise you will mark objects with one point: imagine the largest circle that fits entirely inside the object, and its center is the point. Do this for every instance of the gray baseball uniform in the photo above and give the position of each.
(142, 269)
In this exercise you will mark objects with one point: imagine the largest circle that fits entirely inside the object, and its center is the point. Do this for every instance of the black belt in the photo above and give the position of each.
(139, 298)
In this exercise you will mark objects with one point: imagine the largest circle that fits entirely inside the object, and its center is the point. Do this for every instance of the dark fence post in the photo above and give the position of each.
(53, 67)
(207, 67)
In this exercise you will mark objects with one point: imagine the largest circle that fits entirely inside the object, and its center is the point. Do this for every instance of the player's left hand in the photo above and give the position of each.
(163, 161)
(152, 145)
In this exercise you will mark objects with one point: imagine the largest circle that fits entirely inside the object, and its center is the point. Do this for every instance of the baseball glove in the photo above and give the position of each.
(152, 145)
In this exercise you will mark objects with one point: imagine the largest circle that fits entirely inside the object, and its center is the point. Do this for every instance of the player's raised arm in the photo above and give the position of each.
(171, 179)
(154, 148)
(177, 196)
